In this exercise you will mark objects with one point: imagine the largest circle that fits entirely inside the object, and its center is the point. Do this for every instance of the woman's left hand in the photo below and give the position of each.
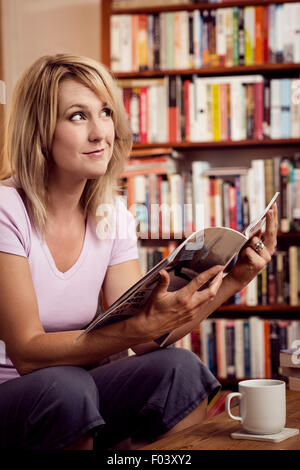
(252, 258)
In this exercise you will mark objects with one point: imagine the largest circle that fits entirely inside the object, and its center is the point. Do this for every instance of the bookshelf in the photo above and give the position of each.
(207, 150)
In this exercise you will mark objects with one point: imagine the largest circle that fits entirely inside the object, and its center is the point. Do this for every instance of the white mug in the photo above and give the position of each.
(262, 405)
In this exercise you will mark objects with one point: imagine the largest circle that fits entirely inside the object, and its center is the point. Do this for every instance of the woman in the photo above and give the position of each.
(67, 138)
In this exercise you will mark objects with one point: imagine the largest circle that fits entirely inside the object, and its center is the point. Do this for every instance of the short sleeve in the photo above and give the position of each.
(14, 223)
(125, 241)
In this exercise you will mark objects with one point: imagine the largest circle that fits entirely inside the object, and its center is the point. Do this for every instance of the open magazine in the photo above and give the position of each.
(198, 252)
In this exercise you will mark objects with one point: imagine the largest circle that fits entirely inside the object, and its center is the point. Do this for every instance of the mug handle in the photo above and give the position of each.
(227, 405)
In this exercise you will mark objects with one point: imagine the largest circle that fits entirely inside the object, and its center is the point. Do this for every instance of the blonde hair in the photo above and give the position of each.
(31, 124)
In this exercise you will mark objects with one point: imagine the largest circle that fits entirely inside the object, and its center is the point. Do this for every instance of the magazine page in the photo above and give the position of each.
(200, 251)
(258, 223)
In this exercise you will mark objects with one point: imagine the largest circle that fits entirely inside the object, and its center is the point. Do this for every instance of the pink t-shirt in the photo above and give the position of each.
(69, 300)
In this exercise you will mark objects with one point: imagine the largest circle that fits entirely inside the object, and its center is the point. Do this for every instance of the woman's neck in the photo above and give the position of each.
(64, 201)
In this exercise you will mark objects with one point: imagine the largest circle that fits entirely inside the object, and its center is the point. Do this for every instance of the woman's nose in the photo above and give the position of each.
(96, 131)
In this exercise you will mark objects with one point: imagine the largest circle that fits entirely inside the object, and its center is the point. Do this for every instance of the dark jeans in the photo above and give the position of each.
(140, 396)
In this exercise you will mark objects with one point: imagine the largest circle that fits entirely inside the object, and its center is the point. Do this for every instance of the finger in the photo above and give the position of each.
(163, 282)
(256, 234)
(255, 248)
(199, 298)
(200, 280)
(255, 259)
(270, 235)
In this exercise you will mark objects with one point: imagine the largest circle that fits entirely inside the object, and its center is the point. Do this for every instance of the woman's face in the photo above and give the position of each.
(84, 134)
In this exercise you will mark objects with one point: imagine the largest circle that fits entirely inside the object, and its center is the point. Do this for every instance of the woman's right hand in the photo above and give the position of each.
(166, 311)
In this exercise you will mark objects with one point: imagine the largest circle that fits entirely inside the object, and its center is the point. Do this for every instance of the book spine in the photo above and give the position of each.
(173, 111)
(284, 180)
(232, 207)
(184, 38)
(264, 287)
(229, 37)
(169, 26)
(156, 42)
(258, 110)
(211, 202)
(223, 112)
(259, 46)
(266, 109)
(295, 108)
(280, 300)
(134, 43)
(285, 109)
(230, 352)
(197, 38)
(269, 179)
(247, 348)
(279, 33)
(205, 38)
(275, 111)
(239, 349)
(271, 33)
(115, 55)
(265, 34)
(249, 93)
(293, 275)
(249, 25)
(216, 117)
(235, 35)
(142, 42)
(213, 58)
(221, 348)
(186, 87)
(241, 37)
(239, 216)
(162, 36)
(191, 39)
(296, 35)
(143, 102)
(125, 43)
(268, 370)
(135, 114)
(150, 39)
(221, 36)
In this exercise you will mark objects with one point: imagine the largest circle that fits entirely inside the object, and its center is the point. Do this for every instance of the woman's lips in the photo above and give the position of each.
(95, 153)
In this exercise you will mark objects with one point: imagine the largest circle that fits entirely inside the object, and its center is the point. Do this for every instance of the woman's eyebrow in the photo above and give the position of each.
(76, 105)
(83, 106)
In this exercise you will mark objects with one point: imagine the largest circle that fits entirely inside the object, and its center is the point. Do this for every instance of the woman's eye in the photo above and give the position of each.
(106, 112)
(76, 117)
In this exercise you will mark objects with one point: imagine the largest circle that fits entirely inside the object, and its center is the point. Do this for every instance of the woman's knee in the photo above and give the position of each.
(175, 359)
(65, 390)
(53, 407)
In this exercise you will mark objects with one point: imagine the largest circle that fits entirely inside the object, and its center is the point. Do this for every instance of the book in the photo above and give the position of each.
(294, 384)
(197, 253)
(289, 357)
(290, 371)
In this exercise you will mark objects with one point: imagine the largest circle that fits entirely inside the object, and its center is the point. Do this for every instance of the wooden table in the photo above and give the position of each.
(214, 433)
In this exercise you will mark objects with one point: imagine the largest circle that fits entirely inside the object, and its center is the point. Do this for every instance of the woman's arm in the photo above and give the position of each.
(249, 264)
(30, 347)
(26, 342)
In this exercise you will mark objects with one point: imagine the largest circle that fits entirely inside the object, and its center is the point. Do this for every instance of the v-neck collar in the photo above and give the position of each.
(69, 273)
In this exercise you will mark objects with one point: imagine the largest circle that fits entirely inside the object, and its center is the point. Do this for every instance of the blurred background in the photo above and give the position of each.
(31, 28)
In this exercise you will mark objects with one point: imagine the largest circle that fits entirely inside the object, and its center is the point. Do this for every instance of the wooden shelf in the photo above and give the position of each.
(281, 312)
(223, 143)
(260, 308)
(197, 6)
(217, 70)
(158, 237)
